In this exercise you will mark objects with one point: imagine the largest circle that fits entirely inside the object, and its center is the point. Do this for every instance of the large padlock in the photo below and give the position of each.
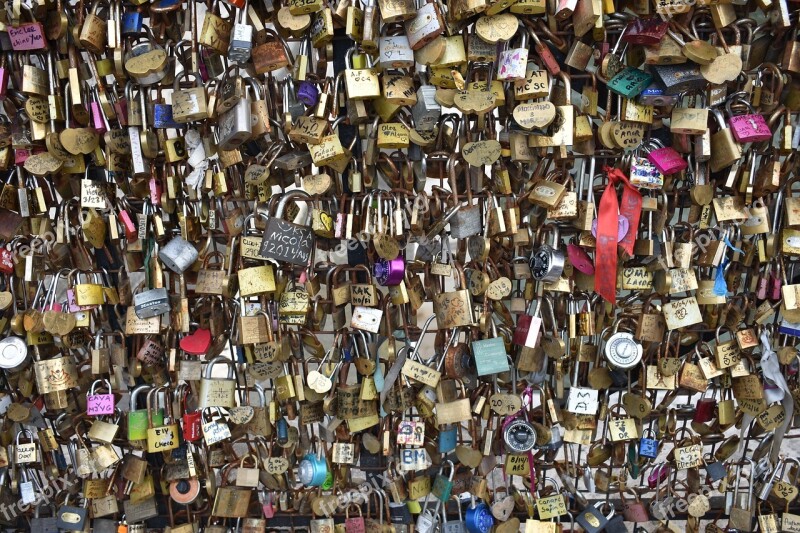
(287, 241)
(592, 519)
(218, 392)
(151, 303)
(72, 517)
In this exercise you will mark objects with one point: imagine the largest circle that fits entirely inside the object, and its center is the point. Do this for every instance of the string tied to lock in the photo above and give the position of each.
(611, 231)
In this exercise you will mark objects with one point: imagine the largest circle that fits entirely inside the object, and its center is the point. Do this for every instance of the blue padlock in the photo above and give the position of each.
(479, 518)
(313, 470)
(132, 23)
(447, 439)
(162, 117)
(648, 447)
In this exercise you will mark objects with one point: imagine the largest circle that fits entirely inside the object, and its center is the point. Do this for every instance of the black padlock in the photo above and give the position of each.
(592, 519)
(715, 470)
(71, 518)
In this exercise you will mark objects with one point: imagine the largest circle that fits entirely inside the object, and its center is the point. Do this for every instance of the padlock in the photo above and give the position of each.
(100, 404)
(72, 517)
(394, 51)
(163, 436)
(313, 469)
(725, 151)
(360, 83)
(592, 519)
(241, 43)
(750, 127)
(189, 105)
(547, 262)
(513, 61)
(287, 241)
(218, 392)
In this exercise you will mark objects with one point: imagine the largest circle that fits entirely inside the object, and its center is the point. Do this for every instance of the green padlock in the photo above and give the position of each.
(137, 418)
(630, 82)
(443, 485)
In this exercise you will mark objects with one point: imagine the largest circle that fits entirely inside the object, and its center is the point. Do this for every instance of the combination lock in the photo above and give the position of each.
(519, 436)
(623, 351)
(547, 262)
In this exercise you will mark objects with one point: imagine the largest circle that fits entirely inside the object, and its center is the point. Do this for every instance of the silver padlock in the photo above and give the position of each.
(235, 125)
(241, 44)
(547, 262)
(454, 526)
(427, 519)
(426, 25)
(622, 350)
(466, 221)
(427, 111)
(179, 255)
(394, 51)
(27, 493)
(150, 303)
(13, 354)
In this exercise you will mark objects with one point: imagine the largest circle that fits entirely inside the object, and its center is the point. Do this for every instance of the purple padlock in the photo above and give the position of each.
(100, 404)
(308, 93)
(389, 273)
(667, 160)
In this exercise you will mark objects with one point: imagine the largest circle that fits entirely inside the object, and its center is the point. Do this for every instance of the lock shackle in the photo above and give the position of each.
(136, 392)
(415, 352)
(94, 385)
(24, 432)
(152, 405)
(285, 201)
(741, 98)
(220, 359)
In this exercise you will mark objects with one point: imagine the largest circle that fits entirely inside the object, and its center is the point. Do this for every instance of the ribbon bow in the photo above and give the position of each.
(605, 279)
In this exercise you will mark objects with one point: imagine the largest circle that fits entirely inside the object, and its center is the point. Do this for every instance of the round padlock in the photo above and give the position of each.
(623, 351)
(389, 273)
(519, 436)
(313, 470)
(547, 262)
(13, 353)
(479, 518)
(184, 491)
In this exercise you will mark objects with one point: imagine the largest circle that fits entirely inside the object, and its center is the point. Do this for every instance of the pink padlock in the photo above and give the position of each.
(131, 231)
(155, 191)
(100, 404)
(748, 128)
(98, 121)
(667, 160)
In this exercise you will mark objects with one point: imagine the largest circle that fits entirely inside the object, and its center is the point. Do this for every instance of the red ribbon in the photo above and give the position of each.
(605, 276)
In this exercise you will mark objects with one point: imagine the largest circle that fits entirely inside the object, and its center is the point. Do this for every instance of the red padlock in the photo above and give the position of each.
(192, 430)
(705, 410)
